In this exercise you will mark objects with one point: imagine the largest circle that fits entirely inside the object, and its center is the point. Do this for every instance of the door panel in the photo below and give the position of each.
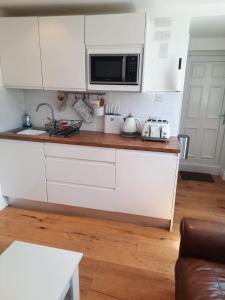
(218, 70)
(194, 101)
(215, 102)
(208, 143)
(198, 70)
(202, 106)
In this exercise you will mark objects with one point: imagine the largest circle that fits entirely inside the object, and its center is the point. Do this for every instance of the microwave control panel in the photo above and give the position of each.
(132, 68)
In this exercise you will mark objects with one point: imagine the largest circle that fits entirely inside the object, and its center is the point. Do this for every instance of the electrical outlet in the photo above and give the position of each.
(159, 97)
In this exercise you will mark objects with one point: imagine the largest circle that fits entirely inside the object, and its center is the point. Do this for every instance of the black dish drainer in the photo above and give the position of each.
(63, 128)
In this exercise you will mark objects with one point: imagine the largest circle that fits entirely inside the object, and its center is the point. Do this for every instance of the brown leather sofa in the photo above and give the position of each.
(200, 268)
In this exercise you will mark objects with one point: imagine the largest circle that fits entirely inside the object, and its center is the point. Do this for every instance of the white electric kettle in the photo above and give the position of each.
(131, 126)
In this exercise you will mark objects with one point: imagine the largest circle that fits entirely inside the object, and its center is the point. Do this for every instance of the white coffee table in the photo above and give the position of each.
(34, 272)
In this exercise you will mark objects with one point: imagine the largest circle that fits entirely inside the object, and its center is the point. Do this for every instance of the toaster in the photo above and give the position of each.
(156, 130)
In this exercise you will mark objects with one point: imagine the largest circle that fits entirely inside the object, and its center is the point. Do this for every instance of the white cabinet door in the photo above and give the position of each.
(146, 182)
(22, 170)
(82, 172)
(115, 29)
(82, 196)
(88, 153)
(167, 39)
(20, 52)
(63, 52)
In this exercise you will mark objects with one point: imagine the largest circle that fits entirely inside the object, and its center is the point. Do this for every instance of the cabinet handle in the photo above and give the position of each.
(180, 64)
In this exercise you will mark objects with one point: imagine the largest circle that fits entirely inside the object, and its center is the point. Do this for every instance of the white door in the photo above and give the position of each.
(20, 52)
(203, 107)
(63, 52)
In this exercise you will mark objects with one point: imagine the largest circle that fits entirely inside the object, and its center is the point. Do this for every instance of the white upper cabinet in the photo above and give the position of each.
(63, 52)
(167, 39)
(49, 52)
(116, 29)
(20, 52)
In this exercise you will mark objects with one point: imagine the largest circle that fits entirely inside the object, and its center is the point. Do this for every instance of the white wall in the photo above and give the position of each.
(161, 105)
(207, 44)
(11, 108)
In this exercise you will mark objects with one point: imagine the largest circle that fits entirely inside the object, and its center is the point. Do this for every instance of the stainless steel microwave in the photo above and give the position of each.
(118, 69)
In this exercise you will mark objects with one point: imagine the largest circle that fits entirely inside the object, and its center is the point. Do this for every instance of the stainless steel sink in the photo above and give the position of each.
(31, 132)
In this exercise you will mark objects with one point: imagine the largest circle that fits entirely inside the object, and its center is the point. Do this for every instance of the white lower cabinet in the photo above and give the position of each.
(81, 176)
(83, 172)
(126, 181)
(81, 196)
(22, 170)
(146, 182)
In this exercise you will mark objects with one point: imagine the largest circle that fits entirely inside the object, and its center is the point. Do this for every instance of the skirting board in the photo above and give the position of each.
(214, 170)
(90, 213)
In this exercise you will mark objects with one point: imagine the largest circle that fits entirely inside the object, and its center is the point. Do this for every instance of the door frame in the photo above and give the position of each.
(187, 166)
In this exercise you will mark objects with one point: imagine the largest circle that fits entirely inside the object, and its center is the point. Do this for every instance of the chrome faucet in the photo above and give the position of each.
(53, 121)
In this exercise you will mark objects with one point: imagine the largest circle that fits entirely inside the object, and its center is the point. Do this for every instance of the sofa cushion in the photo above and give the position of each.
(198, 279)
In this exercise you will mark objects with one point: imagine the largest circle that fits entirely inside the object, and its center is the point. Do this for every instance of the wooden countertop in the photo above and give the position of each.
(99, 139)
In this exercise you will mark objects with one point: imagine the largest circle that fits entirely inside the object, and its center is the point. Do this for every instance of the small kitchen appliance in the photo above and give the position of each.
(114, 69)
(131, 126)
(156, 130)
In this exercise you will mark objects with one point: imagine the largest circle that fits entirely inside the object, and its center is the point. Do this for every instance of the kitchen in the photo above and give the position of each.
(111, 71)
(91, 105)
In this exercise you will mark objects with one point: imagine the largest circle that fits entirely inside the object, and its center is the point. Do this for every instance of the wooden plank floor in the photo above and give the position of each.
(121, 261)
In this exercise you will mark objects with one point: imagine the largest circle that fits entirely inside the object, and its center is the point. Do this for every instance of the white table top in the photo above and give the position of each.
(34, 272)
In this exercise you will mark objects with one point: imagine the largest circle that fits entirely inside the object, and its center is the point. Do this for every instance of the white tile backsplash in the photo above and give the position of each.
(161, 105)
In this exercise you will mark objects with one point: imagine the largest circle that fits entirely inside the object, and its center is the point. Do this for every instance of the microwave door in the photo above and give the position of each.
(107, 69)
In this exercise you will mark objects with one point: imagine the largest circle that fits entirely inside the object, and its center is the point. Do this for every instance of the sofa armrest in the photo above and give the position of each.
(203, 240)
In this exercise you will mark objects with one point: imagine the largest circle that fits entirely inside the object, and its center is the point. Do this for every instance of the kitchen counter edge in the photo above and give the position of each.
(100, 139)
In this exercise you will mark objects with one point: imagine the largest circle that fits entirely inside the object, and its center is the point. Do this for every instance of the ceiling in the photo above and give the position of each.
(90, 6)
(208, 27)
(11, 3)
